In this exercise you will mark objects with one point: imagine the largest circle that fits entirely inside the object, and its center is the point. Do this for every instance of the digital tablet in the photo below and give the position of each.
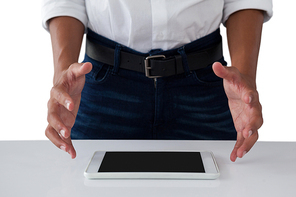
(152, 165)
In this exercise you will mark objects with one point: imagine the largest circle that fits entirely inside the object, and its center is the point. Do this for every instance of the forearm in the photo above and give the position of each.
(244, 35)
(66, 37)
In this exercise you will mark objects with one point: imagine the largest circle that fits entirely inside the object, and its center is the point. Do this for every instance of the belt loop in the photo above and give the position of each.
(181, 51)
(116, 59)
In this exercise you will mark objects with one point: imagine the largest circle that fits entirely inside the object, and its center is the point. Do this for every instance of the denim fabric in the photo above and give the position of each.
(123, 104)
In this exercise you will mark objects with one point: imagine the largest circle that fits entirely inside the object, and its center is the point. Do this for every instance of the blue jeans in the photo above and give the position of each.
(123, 104)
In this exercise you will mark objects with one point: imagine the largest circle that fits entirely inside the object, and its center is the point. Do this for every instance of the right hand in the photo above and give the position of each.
(63, 106)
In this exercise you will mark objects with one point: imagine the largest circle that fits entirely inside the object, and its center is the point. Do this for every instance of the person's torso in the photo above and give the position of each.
(154, 24)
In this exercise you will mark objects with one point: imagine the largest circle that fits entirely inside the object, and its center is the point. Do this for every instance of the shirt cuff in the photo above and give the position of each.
(63, 8)
(232, 6)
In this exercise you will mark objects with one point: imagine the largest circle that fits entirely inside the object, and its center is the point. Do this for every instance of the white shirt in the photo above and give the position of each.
(151, 24)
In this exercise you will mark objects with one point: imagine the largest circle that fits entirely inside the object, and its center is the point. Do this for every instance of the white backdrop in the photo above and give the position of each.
(27, 70)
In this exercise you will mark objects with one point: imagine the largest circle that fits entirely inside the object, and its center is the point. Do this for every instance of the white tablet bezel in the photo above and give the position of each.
(210, 165)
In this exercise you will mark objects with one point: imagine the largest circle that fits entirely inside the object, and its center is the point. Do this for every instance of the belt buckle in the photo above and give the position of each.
(148, 67)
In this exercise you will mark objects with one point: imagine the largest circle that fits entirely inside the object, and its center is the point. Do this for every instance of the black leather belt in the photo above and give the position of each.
(157, 65)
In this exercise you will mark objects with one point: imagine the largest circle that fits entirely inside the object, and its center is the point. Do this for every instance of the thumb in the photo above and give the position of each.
(75, 80)
(85, 68)
(228, 73)
(80, 69)
(219, 70)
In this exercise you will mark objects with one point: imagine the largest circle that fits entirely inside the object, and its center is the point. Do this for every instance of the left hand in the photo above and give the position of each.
(246, 110)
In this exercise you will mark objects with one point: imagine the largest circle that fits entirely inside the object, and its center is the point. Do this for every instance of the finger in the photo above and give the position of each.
(218, 69)
(227, 73)
(60, 118)
(250, 96)
(247, 145)
(74, 73)
(256, 121)
(60, 142)
(255, 116)
(79, 69)
(57, 124)
(86, 68)
(59, 94)
(54, 119)
(238, 144)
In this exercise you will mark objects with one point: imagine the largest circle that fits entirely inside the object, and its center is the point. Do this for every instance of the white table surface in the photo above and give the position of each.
(38, 168)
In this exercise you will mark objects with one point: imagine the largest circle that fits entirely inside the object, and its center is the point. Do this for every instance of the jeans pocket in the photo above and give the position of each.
(207, 77)
(100, 72)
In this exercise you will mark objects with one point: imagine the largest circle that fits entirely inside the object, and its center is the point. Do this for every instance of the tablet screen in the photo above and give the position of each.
(183, 162)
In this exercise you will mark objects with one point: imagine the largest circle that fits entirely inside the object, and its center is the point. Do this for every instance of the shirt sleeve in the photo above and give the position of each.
(231, 6)
(54, 8)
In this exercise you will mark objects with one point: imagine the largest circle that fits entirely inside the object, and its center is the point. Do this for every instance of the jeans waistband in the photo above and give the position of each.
(192, 56)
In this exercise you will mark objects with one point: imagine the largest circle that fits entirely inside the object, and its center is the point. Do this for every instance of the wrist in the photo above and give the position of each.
(59, 70)
(247, 73)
